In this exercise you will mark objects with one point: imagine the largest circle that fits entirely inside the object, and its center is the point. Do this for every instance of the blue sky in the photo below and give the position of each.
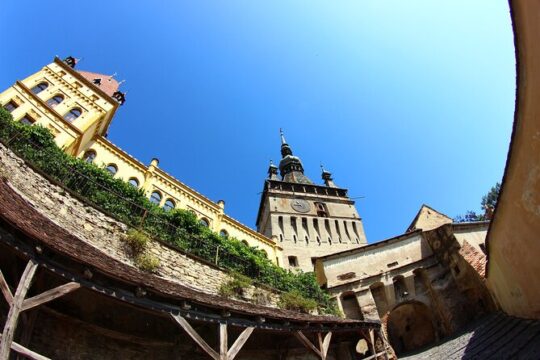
(405, 102)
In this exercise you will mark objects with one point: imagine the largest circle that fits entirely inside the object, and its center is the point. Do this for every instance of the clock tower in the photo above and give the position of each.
(307, 220)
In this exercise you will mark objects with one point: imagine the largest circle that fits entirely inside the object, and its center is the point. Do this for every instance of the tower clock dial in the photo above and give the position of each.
(300, 205)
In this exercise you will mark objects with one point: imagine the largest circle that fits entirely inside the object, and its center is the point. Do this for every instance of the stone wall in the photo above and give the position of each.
(105, 233)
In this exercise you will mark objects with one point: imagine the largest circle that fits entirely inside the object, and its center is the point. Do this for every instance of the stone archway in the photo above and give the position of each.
(410, 327)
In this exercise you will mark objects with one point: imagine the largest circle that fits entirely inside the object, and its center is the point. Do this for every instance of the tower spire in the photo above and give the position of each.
(285, 148)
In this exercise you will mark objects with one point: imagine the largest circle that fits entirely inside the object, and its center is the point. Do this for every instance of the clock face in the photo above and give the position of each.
(300, 205)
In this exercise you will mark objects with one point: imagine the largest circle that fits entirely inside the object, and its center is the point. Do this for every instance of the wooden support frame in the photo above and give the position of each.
(224, 352)
(26, 352)
(18, 304)
(324, 343)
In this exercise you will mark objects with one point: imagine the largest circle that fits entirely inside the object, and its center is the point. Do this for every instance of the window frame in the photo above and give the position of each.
(68, 115)
(53, 103)
(136, 181)
(29, 120)
(86, 156)
(39, 86)
(169, 204)
(11, 103)
(152, 197)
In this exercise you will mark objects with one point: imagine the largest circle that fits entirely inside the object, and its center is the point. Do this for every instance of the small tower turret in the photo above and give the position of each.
(327, 177)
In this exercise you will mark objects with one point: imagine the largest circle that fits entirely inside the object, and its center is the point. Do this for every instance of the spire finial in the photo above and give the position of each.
(283, 141)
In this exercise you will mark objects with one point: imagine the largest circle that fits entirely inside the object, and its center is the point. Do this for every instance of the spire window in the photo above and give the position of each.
(40, 87)
(55, 100)
(72, 114)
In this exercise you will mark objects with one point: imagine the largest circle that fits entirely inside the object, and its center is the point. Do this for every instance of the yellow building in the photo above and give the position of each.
(78, 107)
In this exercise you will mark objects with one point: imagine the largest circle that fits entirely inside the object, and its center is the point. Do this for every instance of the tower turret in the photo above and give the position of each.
(327, 177)
(290, 166)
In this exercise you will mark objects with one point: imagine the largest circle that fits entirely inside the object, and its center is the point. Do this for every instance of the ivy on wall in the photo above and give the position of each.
(176, 227)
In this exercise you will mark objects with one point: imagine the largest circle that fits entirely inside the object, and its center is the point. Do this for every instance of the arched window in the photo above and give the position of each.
(134, 182)
(55, 100)
(89, 156)
(265, 254)
(155, 198)
(169, 205)
(204, 222)
(72, 114)
(245, 242)
(223, 233)
(112, 169)
(40, 87)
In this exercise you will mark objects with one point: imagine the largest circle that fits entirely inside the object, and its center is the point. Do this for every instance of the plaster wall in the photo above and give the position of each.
(375, 259)
(513, 246)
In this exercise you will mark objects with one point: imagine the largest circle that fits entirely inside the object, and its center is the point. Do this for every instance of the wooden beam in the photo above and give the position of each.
(385, 343)
(26, 352)
(239, 343)
(5, 289)
(196, 337)
(15, 309)
(375, 356)
(223, 341)
(324, 345)
(49, 295)
(304, 340)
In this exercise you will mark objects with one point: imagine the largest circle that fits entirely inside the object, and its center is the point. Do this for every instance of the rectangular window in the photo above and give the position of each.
(27, 120)
(293, 261)
(10, 106)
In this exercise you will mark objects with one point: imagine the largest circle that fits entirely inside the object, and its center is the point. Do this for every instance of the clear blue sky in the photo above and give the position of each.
(405, 102)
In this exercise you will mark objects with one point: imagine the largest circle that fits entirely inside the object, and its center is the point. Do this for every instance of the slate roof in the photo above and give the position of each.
(496, 336)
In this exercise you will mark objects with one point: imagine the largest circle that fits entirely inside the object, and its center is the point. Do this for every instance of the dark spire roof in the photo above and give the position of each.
(290, 166)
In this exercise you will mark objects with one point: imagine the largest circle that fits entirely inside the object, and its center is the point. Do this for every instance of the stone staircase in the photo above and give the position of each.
(496, 336)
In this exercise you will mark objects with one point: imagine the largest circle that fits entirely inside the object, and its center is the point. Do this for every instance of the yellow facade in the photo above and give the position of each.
(84, 136)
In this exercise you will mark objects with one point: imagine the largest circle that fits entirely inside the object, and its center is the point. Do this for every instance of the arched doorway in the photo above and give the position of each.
(410, 327)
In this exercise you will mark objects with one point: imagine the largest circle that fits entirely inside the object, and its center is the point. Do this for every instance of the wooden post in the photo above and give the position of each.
(5, 289)
(15, 309)
(18, 304)
(239, 343)
(223, 341)
(304, 340)
(224, 352)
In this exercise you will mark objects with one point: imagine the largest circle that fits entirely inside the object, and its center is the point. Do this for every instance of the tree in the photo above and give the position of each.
(488, 203)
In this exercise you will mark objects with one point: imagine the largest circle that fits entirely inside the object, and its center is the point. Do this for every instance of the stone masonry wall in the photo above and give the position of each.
(105, 233)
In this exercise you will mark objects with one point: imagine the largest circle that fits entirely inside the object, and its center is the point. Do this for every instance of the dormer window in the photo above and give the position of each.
(97, 81)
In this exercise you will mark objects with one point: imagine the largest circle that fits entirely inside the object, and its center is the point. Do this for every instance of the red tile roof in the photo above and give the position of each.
(106, 82)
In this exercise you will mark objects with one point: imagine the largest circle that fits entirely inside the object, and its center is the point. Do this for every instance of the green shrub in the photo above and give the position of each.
(147, 262)
(293, 300)
(127, 204)
(137, 241)
(236, 286)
